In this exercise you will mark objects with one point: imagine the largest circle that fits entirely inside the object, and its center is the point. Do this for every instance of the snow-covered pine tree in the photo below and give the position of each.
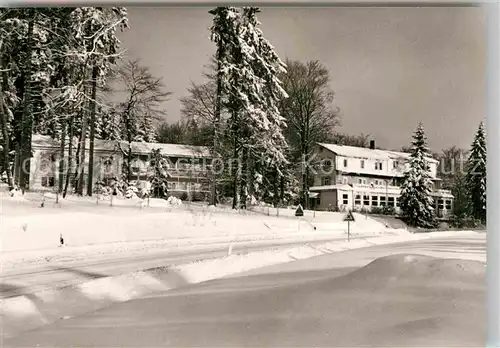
(108, 124)
(146, 130)
(237, 85)
(222, 34)
(416, 202)
(158, 175)
(230, 96)
(265, 141)
(45, 67)
(10, 35)
(248, 88)
(32, 66)
(476, 175)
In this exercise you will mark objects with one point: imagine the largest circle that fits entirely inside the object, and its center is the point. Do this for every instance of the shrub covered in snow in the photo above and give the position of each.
(158, 175)
(131, 191)
(15, 193)
(173, 201)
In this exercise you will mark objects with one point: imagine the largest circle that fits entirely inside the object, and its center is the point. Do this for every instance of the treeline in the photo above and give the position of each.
(58, 66)
(462, 172)
(258, 113)
(62, 76)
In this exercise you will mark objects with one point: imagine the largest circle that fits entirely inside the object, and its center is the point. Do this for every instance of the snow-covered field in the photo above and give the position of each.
(30, 233)
(51, 305)
(84, 222)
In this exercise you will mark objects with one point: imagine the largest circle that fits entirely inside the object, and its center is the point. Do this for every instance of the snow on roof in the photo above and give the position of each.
(174, 150)
(45, 141)
(170, 149)
(366, 153)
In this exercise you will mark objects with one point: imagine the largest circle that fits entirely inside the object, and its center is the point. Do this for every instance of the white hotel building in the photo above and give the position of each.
(355, 178)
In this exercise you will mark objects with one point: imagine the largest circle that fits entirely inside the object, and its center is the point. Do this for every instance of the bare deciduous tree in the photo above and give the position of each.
(361, 140)
(309, 111)
(142, 105)
(199, 105)
(203, 107)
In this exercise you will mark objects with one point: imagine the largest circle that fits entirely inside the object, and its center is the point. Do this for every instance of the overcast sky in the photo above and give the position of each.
(389, 67)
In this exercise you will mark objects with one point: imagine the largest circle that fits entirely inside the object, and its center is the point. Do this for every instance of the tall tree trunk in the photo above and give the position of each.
(70, 156)
(276, 183)
(5, 135)
(305, 178)
(304, 181)
(83, 140)
(235, 175)
(4, 121)
(75, 185)
(92, 130)
(129, 140)
(282, 189)
(244, 178)
(62, 151)
(27, 122)
(216, 124)
(236, 160)
(17, 164)
(17, 127)
(129, 163)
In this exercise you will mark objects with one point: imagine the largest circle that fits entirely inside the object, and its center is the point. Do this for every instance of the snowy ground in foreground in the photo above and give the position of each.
(31, 231)
(24, 313)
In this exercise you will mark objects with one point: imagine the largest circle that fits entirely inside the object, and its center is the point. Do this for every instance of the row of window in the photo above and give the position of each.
(378, 182)
(327, 181)
(383, 200)
(375, 201)
(378, 165)
(185, 185)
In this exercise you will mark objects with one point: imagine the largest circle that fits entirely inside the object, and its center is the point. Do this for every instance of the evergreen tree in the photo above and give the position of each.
(158, 175)
(47, 55)
(248, 91)
(476, 175)
(416, 200)
(235, 90)
(265, 142)
(108, 124)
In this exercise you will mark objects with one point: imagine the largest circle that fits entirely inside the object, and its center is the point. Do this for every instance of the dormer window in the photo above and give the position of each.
(345, 162)
(378, 165)
(395, 164)
(362, 164)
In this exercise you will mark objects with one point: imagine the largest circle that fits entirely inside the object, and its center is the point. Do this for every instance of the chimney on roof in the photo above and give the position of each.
(372, 144)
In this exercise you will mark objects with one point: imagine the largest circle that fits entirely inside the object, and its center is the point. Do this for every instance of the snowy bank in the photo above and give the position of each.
(101, 224)
(23, 313)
